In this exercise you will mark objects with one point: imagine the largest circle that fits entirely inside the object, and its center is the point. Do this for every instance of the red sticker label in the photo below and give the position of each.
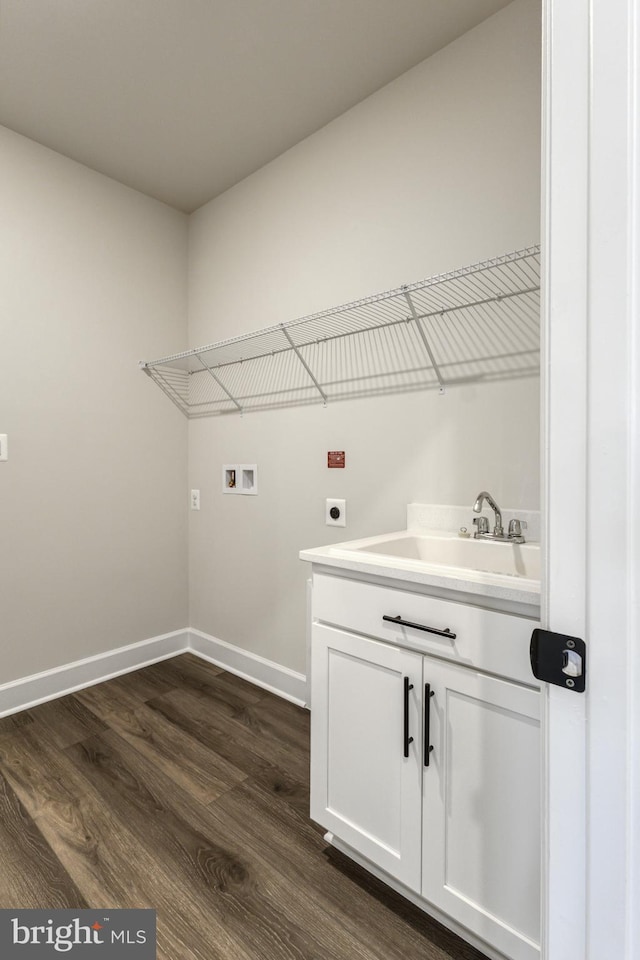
(335, 458)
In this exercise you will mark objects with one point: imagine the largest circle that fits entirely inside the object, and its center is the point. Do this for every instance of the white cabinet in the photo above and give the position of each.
(481, 808)
(362, 786)
(457, 826)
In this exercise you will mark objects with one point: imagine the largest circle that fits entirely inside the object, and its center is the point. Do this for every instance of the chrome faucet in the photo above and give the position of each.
(482, 524)
(498, 530)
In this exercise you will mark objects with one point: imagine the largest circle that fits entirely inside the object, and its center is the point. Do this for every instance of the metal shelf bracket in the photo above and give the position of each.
(423, 336)
(219, 382)
(304, 364)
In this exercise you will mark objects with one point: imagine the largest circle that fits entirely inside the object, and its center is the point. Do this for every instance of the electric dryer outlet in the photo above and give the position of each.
(335, 513)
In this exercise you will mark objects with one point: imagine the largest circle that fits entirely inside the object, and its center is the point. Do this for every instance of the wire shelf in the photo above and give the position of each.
(478, 323)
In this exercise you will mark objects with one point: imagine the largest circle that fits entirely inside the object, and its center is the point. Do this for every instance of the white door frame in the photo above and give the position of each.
(591, 475)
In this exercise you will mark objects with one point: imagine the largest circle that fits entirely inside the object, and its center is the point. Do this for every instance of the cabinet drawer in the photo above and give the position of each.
(494, 642)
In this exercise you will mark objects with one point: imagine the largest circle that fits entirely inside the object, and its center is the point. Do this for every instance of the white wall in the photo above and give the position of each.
(437, 170)
(93, 521)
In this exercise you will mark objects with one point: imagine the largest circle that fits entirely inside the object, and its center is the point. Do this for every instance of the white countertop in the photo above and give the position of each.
(353, 557)
(515, 589)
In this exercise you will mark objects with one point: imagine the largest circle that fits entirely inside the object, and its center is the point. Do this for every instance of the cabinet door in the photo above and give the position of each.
(481, 822)
(363, 788)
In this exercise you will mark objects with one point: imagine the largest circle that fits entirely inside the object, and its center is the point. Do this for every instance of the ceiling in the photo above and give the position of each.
(183, 98)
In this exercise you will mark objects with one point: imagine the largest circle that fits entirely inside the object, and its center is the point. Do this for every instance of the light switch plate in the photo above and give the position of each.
(4, 447)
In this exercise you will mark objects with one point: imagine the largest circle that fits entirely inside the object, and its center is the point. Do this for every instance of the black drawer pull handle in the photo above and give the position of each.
(428, 693)
(420, 626)
(406, 739)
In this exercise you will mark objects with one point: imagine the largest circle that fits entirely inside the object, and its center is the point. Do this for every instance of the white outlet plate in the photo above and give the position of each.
(195, 499)
(4, 447)
(341, 520)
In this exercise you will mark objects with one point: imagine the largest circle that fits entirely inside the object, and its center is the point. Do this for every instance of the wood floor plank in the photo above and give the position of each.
(223, 692)
(269, 916)
(30, 763)
(15, 721)
(108, 697)
(110, 865)
(31, 875)
(268, 719)
(143, 684)
(67, 720)
(196, 713)
(283, 771)
(204, 775)
(236, 691)
(185, 670)
(114, 870)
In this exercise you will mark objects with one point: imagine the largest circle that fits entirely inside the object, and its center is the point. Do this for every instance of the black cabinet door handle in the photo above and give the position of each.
(420, 626)
(428, 693)
(406, 739)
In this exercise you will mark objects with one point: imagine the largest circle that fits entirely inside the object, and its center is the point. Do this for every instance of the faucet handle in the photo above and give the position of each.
(482, 525)
(516, 527)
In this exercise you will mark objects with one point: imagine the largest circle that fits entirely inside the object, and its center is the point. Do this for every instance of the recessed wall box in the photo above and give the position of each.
(240, 478)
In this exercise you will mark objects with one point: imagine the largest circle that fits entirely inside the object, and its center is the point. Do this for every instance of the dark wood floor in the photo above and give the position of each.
(183, 788)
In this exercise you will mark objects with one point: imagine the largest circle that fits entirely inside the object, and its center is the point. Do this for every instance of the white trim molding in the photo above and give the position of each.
(633, 490)
(592, 361)
(564, 463)
(59, 681)
(51, 684)
(264, 673)
(612, 478)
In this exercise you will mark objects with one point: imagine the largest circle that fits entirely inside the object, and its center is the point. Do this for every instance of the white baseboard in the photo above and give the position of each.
(51, 684)
(58, 682)
(264, 673)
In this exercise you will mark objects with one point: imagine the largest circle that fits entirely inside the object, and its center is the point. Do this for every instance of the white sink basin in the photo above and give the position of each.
(449, 550)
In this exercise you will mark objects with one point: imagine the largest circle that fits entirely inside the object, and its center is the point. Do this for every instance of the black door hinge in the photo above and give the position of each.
(558, 658)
